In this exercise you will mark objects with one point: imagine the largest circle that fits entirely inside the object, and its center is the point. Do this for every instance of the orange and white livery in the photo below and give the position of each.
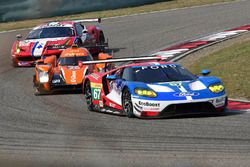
(66, 72)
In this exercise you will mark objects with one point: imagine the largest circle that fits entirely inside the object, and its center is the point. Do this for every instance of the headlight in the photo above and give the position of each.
(43, 77)
(18, 49)
(145, 92)
(217, 88)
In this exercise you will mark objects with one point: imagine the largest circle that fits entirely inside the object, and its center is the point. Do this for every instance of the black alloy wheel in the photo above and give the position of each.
(127, 103)
(88, 96)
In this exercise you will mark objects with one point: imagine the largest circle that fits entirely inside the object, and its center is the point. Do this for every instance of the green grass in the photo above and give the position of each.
(110, 13)
(232, 65)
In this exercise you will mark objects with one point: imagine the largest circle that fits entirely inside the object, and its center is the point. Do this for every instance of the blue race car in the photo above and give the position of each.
(154, 88)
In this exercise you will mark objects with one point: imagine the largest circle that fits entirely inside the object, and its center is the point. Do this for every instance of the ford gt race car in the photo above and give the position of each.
(53, 37)
(155, 88)
(66, 72)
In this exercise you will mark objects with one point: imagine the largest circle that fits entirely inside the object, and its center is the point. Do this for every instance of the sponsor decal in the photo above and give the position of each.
(151, 109)
(96, 93)
(96, 85)
(22, 63)
(73, 54)
(54, 24)
(73, 67)
(24, 43)
(95, 76)
(137, 106)
(96, 89)
(112, 105)
(175, 83)
(155, 67)
(219, 100)
(184, 94)
(54, 81)
(148, 104)
(100, 103)
(73, 76)
(38, 48)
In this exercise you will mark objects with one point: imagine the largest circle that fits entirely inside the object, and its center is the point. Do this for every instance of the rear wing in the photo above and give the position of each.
(129, 59)
(56, 47)
(98, 20)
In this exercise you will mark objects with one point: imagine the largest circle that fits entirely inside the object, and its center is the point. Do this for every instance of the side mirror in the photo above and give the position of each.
(18, 36)
(50, 60)
(80, 64)
(205, 72)
(84, 31)
(104, 56)
(111, 77)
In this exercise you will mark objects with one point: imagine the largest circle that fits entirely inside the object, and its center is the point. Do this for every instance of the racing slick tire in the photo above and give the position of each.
(39, 92)
(102, 41)
(14, 63)
(88, 96)
(127, 103)
(37, 88)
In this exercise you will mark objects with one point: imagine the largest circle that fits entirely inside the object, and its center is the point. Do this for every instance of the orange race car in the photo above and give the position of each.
(66, 72)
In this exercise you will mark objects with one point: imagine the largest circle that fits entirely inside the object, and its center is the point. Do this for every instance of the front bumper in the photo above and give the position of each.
(26, 61)
(66, 87)
(151, 108)
(53, 88)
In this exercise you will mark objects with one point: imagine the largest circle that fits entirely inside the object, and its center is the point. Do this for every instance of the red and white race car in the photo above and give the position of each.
(53, 37)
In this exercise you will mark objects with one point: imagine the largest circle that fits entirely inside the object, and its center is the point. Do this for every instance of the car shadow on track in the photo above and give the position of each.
(62, 92)
(207, 115)
(183, 116)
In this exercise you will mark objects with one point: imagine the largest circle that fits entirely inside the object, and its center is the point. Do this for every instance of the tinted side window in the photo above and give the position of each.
(118, 73)
(127, 74)
(79, 29)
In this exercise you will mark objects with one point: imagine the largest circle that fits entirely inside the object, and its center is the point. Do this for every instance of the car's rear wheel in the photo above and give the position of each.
(88, 96)
(36, 88)
(101, 38)
(127, 103)
(102, 41)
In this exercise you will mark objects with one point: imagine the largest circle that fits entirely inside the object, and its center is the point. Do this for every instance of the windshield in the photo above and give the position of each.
(161, 73)
(73, 61)
(51, 32)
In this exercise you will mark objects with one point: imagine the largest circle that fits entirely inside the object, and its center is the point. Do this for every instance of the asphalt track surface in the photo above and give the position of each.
(57, 130)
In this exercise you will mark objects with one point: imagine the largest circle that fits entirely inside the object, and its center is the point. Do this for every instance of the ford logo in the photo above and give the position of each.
(184, 94)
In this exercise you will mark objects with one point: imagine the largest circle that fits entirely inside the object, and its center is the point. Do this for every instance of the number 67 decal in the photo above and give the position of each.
(96, 94)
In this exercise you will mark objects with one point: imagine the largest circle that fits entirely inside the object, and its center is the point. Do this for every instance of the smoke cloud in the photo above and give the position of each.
(12, 10)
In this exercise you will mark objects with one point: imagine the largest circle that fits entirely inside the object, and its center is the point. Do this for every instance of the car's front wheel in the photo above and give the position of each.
(88, 96)
(38, 91)
(127, 103)
(14, 63)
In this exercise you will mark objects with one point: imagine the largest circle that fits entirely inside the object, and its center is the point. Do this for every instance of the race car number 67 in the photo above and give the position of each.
(97, 94)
